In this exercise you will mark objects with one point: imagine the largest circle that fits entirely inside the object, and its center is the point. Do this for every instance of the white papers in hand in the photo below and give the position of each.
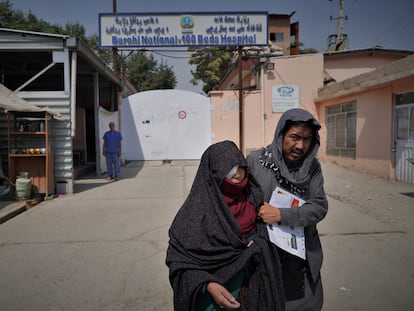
(290, 239)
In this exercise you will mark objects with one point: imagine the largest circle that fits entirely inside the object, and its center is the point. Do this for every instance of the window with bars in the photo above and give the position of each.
(405, 116)
(341, 130)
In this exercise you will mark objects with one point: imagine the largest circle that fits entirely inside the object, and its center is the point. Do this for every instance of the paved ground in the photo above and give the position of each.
(103, 248)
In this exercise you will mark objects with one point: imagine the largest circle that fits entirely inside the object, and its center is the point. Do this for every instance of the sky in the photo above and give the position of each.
(385, 23)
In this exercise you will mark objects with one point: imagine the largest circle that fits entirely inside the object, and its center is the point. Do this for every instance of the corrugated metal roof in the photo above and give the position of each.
(43, 34)
(9, 101)
(57, 41)
(371, 51)
(396, 70)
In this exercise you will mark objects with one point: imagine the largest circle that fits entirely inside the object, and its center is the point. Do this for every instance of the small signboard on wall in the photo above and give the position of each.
(284, 97)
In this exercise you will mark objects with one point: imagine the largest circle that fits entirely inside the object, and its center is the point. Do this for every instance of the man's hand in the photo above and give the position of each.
(269, 214)
(222, 296)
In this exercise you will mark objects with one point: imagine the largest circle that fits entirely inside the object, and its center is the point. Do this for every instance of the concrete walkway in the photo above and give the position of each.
(103, 248)
(10, 209)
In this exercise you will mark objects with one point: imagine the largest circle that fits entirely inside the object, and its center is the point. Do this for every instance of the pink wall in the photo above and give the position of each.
(375, 128)
(225, 116)
(375, 109)
(374, 132)
(305, 71)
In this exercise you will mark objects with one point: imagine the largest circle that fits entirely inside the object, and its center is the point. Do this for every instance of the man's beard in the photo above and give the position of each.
(294, 164)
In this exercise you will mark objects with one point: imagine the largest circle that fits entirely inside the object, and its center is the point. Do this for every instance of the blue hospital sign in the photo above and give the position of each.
(180, 30)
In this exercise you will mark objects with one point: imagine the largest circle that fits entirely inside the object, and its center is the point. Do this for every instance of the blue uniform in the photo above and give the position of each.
(112, 142)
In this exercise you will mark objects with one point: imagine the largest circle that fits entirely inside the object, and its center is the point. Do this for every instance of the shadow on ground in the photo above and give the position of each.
(89, 179)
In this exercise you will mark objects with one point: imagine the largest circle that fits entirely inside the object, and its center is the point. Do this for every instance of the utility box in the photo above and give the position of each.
(61, 187)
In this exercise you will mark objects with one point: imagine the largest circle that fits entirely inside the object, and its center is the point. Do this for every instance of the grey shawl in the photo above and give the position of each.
(270, 170)
(206, 243)
(302, 176)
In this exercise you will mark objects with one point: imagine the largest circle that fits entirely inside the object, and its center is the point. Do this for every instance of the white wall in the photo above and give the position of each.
(165, 124)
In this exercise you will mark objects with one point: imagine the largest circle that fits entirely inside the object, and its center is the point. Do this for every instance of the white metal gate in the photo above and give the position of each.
(165, 124)
(404, 143)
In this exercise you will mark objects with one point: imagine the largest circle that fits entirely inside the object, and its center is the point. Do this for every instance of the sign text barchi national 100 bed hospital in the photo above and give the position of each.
(174, 30)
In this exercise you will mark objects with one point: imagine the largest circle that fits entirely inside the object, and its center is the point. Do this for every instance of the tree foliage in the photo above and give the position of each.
(143, 72)
(105, 54)
(306, 50)
(212, 64)
(146, 73)
(16, 19)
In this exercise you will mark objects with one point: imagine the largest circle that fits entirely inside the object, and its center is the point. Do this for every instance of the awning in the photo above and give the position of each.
(9, 101)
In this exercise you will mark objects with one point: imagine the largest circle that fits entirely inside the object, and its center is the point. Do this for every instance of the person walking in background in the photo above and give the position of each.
(290, 162)
(219, 257)
(112, 150)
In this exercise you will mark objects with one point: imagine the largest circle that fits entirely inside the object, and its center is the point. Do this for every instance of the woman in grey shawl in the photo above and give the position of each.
(290, 163)
(216, 242)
